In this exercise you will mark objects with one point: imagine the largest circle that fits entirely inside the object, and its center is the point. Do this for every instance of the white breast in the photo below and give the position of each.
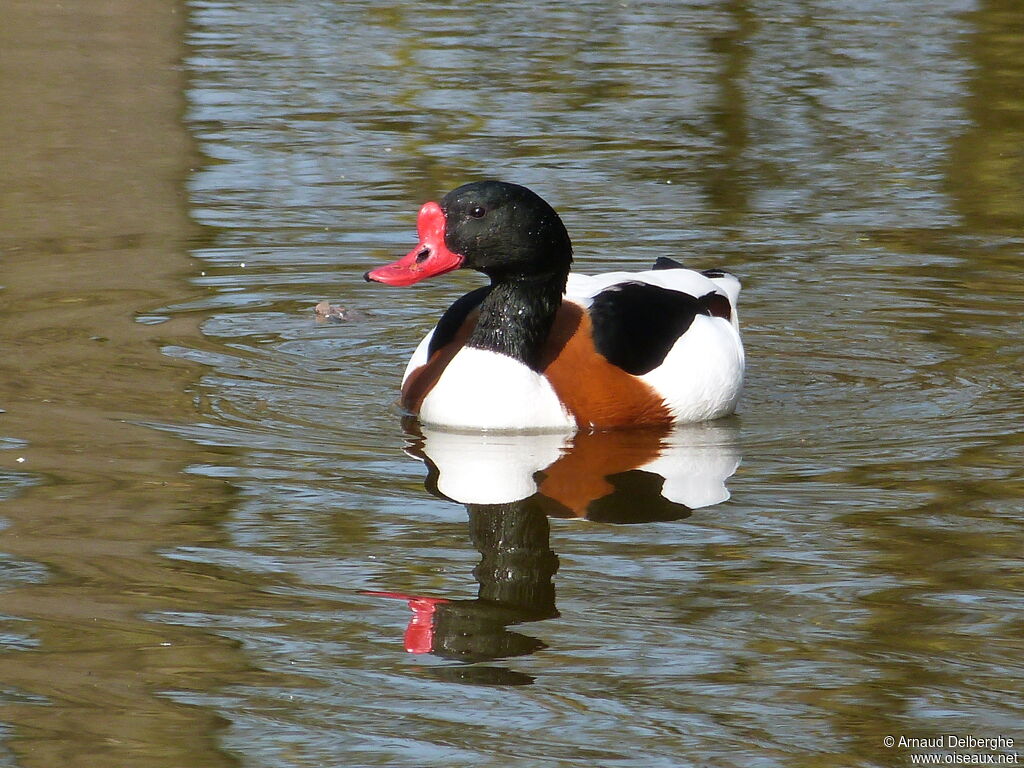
(480, 389)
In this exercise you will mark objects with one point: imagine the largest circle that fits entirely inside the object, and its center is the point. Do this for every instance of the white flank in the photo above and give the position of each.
(702, 375)
(485, 390)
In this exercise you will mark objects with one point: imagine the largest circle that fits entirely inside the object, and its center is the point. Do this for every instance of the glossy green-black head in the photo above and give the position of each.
(504, 230)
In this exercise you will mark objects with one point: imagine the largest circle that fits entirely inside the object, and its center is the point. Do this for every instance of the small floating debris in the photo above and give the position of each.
(328, 313)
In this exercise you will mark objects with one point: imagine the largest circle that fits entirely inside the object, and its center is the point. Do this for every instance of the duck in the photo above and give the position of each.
(541, 348)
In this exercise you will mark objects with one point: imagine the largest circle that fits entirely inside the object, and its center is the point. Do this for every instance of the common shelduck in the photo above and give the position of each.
(542, 349)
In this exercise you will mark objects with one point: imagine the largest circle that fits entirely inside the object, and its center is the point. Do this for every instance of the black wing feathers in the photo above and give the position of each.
(636, 324)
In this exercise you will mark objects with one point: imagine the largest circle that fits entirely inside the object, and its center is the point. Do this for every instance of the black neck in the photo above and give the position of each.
(517, 315)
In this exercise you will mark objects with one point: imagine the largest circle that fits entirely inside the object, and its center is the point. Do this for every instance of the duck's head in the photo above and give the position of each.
(503, 230)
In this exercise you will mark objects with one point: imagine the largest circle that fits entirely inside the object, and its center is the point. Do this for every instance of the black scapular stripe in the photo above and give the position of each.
(635, 324)
(454, 317)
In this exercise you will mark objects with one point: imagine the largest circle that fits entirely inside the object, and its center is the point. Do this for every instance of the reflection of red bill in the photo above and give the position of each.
(419, 635)
(431, 257)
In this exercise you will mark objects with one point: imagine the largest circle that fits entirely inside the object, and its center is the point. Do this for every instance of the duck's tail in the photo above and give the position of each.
(726, 282)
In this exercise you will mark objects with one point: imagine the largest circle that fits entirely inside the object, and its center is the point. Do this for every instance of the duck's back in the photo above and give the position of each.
(675, 330)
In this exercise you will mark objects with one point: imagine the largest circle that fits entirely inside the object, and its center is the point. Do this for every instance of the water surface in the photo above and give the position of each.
(222, 528)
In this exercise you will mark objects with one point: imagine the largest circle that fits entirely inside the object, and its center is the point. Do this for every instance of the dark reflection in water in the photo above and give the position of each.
(515, 577)
(986, 176)
(509, 485)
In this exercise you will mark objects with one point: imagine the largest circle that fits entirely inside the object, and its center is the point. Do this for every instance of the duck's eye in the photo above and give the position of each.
(477, 213)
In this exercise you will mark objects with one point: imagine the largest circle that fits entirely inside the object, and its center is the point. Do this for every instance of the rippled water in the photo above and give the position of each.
(837, 563)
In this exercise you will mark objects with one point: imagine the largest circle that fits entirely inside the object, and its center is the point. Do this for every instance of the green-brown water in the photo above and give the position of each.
(201, 488)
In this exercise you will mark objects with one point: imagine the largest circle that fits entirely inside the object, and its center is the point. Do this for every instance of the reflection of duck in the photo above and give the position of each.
(510, 483)
(542, 349)
(515, 585)
(625, 476)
